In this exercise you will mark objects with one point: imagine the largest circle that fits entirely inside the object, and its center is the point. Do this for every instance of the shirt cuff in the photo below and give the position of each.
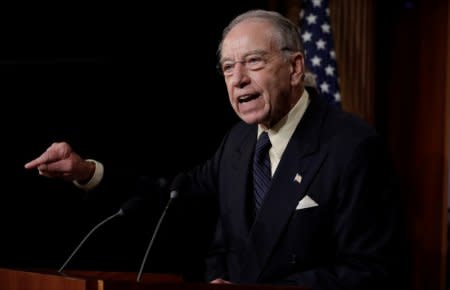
(96, 177)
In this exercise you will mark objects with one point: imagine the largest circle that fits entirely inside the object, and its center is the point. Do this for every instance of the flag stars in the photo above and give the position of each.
(306, 36)
(337, 97)
(329, 70)
(332, 54)
(316, 61)
(317, 3)
(325, 28)
(311, 19)
(302, 14)
(325, 87)
(316, 34)
(320, 44)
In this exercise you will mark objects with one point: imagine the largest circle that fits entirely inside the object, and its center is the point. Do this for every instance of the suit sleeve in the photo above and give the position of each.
(216, 259)
(204, 184)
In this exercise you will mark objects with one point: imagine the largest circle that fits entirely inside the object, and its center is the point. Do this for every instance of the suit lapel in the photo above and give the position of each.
(302, 156)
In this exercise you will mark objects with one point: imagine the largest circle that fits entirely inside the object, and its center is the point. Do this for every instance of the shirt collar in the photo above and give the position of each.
(281, 133)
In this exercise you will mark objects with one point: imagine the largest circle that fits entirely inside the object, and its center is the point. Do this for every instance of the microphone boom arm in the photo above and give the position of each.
(119, 213)
(139, 276)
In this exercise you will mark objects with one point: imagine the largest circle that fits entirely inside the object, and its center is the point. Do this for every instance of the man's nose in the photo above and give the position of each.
(240, 76)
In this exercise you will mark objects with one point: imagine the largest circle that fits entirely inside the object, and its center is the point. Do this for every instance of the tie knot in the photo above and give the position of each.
(263, 144)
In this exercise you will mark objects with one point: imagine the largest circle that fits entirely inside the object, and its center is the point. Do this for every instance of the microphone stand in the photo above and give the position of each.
(139, 276)
(119, 213)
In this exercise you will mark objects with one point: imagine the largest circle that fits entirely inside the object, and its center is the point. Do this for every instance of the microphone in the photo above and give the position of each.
(177, 183)
(175, 187)
(128, 207)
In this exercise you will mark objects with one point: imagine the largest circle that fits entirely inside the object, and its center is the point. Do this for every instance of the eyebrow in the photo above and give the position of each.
(255, 51)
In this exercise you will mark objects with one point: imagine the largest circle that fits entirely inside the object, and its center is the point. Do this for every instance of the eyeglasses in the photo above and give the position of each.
(254, 61)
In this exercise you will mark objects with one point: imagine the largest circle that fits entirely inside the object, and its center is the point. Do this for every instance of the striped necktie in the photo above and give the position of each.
(262, 174)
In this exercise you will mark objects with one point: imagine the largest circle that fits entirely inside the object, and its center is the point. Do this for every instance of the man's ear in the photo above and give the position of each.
(297, 68)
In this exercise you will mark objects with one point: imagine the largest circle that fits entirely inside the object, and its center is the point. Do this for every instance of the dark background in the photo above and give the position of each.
(130, 85)
(100, 76)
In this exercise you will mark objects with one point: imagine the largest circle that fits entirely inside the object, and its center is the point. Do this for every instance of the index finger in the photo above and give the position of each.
(38, 161)
(55, 152)
(50, 155)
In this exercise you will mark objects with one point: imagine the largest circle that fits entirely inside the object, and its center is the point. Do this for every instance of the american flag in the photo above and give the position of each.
(320, 56)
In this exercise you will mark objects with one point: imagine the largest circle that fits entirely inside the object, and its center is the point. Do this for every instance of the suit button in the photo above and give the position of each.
(293, 259)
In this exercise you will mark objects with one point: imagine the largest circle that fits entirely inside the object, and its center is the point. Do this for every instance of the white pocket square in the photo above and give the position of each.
(306, 202)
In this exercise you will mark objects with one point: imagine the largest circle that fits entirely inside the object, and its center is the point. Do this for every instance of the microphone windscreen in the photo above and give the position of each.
(146, 186)
(133, 205)
(161, 183)
(178, 182)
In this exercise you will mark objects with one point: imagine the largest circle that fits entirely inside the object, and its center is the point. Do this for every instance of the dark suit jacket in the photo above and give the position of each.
(348, 241)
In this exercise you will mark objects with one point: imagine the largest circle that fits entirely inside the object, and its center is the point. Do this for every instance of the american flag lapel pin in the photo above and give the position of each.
(298, 178)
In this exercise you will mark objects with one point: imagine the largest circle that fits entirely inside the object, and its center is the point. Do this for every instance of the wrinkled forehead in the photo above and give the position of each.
(249, 35)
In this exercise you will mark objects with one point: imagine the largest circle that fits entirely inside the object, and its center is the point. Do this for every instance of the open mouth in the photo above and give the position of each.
(247, 98)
